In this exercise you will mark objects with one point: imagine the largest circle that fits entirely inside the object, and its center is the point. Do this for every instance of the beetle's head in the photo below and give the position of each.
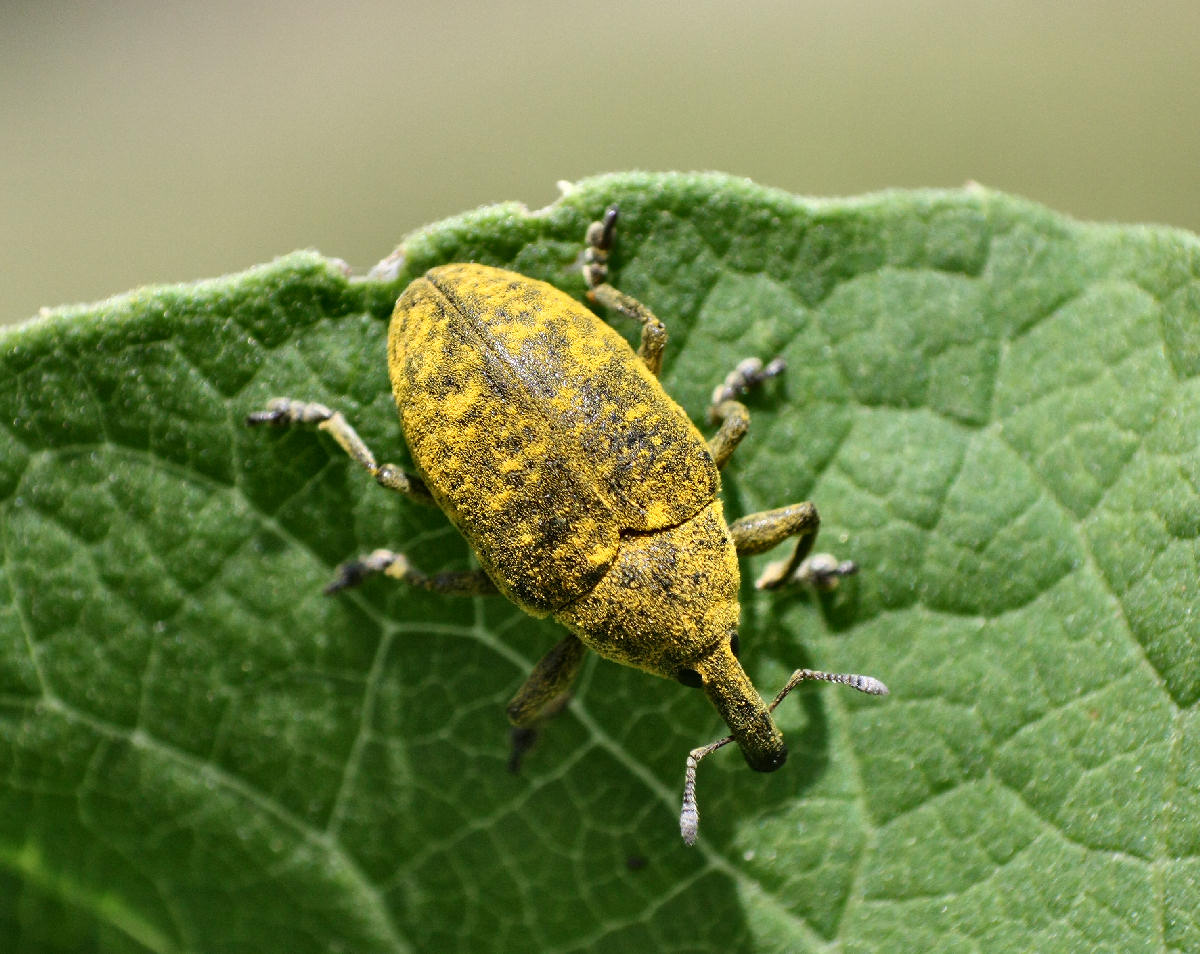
(724, 681)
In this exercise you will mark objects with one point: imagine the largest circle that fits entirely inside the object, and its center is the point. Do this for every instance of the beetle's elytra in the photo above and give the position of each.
(586, 493)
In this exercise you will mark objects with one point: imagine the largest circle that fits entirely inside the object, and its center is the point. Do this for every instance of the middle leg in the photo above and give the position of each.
(730, 413)
(758, 532)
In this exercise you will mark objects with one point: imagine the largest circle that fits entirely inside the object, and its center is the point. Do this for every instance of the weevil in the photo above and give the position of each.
(585, 492)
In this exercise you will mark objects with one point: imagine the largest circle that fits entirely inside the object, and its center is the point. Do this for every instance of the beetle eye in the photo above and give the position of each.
(735, 644)
(690, 678)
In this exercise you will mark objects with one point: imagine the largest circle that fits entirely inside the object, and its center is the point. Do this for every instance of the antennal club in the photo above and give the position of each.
(689, 813)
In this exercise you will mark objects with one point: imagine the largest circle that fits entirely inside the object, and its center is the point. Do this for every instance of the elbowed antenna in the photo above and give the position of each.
(689, 813)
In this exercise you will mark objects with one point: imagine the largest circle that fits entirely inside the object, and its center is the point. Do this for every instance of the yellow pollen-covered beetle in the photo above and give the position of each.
(586, 493)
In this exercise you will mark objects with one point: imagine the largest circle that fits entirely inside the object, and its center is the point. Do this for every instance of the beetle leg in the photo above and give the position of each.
(654, 332)
(281, 412)
(396, 565)
(735, 421)
(550, 679)
(543, 694)
(595, 271)
(748, 374)
(731, 413)
(758, 532)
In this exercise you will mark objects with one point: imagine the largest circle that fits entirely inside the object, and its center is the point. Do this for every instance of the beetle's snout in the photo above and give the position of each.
(766, 760)
(747, 716)
(758, 738)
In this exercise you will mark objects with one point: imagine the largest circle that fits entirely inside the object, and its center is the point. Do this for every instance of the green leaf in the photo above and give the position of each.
(997, 411)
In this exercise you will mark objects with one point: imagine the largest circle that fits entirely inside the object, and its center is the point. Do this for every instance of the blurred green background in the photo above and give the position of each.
(159, 141)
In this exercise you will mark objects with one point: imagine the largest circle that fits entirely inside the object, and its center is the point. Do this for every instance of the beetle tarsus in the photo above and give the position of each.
(822, 571)
(352, 573)
(282, 411)
(609, 227)
(543, 696)
(727, 411)
(597, 243)
(347, 575)
(749, 373)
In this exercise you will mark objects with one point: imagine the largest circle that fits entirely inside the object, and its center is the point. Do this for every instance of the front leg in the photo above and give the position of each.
(595, 272)
(283, 412)
(396, 565)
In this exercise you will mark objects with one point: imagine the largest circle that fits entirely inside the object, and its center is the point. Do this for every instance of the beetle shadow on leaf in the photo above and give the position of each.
(838, 608)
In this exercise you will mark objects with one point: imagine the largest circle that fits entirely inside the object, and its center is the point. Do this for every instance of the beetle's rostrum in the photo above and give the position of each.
(585, 492)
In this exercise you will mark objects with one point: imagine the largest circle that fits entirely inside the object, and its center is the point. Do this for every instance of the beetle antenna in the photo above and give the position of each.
(689, 813)
(868, 684)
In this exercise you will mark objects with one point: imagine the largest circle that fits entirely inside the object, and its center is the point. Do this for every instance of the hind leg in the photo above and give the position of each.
(759, 532)
(543, 695)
